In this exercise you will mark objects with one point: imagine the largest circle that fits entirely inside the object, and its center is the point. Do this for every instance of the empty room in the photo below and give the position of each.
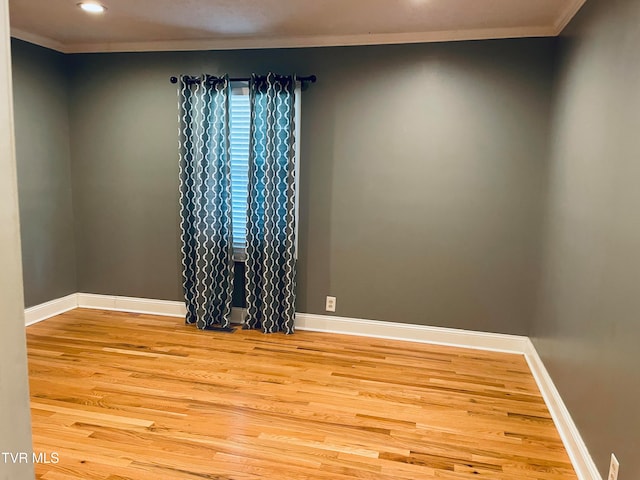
(294, 239)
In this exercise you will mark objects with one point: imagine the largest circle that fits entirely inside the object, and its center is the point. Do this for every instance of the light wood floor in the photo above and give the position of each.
(125, 396)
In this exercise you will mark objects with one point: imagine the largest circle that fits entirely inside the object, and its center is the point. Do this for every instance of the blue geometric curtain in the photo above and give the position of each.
(271, 264)
(205, 200)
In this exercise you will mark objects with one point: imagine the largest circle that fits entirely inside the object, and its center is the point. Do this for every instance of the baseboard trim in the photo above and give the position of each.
(116, 303)
(50, 309)
(575, 446)
(496, 342)
(238, 315)
(304, 321)
(578, 453)
(165, 308)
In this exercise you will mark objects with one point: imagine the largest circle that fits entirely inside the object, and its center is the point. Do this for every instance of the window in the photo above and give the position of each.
(240, 118)
(239, 122)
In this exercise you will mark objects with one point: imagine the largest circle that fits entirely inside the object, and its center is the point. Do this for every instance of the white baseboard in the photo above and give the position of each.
(238, 315)
(578, 453)
(497, 342)
(113, 302)
(130, 304)
(577, 450)
(50, 309)
(166, 308)
(304, 321)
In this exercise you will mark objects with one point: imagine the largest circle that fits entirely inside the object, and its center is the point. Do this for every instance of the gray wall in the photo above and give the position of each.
(15, 417)
(44, 174)
(588, 326)
(423, 170)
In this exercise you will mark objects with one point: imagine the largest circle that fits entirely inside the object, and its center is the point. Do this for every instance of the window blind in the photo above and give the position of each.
(240, 117)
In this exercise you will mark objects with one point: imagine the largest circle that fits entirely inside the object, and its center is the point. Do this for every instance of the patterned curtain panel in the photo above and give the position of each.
(205, 200)
(270, 265)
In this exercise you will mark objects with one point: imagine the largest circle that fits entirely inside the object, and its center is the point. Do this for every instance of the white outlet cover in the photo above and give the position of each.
(330, 305)
(613, 468)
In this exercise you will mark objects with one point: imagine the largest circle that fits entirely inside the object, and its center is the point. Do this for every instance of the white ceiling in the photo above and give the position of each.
(143, 25)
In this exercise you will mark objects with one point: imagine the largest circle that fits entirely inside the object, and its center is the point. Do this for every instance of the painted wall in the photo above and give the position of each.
(44, 172)
(588, 326)
(423, 170)
(15, 417)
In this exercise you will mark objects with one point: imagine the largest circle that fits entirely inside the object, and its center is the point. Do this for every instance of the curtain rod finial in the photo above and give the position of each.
(173, 79)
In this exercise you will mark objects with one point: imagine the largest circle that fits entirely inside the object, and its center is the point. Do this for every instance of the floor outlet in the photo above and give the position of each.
(331, 304)
(613, 468)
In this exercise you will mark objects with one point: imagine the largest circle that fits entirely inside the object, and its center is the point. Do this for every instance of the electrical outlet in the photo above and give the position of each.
(613, 468)
(331, 304)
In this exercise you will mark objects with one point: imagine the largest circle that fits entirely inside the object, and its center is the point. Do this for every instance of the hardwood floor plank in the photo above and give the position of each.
(140, 397)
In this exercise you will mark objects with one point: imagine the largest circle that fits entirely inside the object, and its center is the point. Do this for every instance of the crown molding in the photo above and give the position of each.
(38, 40)
(286, 42)
(572, 10)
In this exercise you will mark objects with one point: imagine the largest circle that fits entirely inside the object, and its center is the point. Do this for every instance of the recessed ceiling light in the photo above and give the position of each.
(91, 7)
